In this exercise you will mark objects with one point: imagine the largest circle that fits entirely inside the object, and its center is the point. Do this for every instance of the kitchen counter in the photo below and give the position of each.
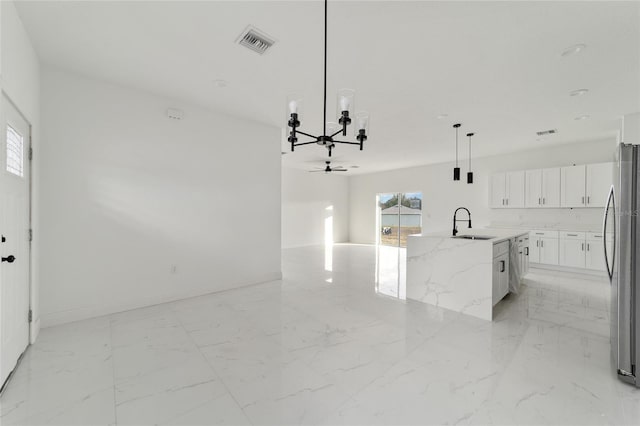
(455, 273)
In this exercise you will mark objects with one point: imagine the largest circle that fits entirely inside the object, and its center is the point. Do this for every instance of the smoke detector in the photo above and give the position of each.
(255, 39)
(547, 132)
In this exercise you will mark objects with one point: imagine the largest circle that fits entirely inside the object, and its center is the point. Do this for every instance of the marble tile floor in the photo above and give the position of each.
(322, 347)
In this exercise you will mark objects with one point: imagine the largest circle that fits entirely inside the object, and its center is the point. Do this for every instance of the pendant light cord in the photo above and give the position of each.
(324, 122)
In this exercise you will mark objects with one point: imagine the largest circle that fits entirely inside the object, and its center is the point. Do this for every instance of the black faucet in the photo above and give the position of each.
(455, 229)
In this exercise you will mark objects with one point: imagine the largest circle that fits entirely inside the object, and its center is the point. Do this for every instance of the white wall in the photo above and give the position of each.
(441, 195)
(20, 81)
(127, 194)
(312, 203)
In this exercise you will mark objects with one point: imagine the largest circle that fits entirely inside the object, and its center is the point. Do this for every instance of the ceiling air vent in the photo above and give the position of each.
(547, 132)
(256, 40)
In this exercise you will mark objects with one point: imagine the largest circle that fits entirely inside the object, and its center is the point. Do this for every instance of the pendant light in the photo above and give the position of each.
(470, 173)
(456, 169)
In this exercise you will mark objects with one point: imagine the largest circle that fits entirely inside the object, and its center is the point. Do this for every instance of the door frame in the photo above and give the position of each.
(30, 282)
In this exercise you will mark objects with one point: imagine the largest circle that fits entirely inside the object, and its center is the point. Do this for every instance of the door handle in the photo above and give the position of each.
(611, 201)
(526, 251)
(582, 246)
(4, 239)
(9, 259)
(588, 199)
(587, 246)
(502, 266)
(539, 201)
(582, 200)
(544, 200)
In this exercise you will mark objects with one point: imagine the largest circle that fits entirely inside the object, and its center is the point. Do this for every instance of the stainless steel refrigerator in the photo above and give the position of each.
(621, 222)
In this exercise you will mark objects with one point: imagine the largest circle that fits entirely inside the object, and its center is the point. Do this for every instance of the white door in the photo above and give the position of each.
(595, 255)
(498, 184)
(573, 186)
(549, 251)
(551, 187)
(534, 249)
(533, 188)
(515, 189)
(14, 227)
(599, 180)
(572, 253)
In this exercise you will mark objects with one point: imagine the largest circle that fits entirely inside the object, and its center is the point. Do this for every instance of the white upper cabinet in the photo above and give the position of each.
(515, 189)
(498, 188)
(542, 188)
(507, 190)
(599, 180)
(551, 187)
(586, 186)
(533, 188)
(572, 187)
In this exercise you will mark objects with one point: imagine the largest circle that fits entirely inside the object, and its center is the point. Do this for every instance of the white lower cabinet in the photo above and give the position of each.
(543, 247)
(582, 250)
(572, 249)
(523, 255)
(500, 277)
(595, 251)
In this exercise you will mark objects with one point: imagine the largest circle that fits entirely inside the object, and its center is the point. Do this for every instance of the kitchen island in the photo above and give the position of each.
(460, 273)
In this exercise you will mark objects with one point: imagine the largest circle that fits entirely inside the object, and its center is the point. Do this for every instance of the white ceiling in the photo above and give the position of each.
(493, 66)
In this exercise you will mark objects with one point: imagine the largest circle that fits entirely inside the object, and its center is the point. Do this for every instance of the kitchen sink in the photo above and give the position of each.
(474, 237)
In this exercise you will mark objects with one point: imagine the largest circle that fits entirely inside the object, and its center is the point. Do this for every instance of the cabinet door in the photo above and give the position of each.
(551, 187)
(572, 253)
(595, 256)
(572, 186)
(599, 180)
(504, 275)
(534, 249)
(515, 189)
(498, 185)
(549, 251)
(533, 188)
(495, 280)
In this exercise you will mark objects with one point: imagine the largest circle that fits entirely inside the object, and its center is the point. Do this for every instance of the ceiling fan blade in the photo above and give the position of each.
(315, 171)
(339, 170)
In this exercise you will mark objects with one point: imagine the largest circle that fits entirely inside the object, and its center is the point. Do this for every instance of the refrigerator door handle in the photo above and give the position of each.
(611, 202)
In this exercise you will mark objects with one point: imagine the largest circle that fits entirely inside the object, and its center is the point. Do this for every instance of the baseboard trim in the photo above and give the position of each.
(84, 313)
(559, 268)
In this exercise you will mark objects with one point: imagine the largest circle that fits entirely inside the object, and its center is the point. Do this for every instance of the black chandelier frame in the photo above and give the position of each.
(325, 140)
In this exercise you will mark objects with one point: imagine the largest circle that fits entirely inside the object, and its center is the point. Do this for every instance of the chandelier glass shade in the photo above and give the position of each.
(345, 111)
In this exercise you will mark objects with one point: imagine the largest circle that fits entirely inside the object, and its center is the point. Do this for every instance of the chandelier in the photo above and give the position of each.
(345, 107)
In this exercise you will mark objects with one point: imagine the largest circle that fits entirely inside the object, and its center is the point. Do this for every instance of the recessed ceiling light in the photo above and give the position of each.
(578, 92)
(572, 50)
(220, 83)
(582, 117)
(442, 116)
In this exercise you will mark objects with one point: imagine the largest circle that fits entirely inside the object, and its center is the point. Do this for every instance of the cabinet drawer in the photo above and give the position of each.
(500, 248)
(543, 233)
(569, 235)
(597, 236)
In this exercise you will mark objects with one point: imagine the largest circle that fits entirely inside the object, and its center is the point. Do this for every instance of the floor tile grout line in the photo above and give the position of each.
(113, 371)
(213, 370)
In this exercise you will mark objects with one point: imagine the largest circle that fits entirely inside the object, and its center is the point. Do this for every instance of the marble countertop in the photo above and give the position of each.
(498, 234)
(549, 227)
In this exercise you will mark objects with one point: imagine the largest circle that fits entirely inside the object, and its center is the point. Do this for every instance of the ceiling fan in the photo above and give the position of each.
(329, 169)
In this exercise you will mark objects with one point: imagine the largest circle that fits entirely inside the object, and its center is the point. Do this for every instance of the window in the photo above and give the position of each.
(15, 152)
